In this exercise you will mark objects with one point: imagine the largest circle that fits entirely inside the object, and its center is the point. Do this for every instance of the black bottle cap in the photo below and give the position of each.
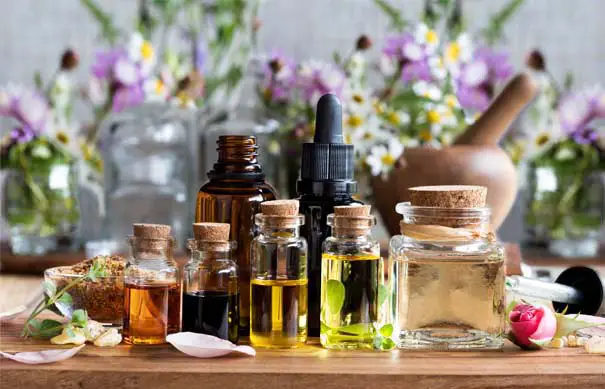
(587, 282)
(327, 164)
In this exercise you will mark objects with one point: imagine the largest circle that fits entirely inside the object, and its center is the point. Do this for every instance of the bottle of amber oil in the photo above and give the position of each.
(152, 291)
(210, 291)
(279, 282)
(351, 278)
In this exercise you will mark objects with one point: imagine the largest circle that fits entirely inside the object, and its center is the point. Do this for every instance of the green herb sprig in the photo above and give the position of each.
(60, 302)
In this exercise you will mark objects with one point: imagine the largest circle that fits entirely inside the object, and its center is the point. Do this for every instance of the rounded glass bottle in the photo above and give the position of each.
(210, 290)
(279, 284)
(352, 277)
(152, 288)
(448, 279)
(233, 195)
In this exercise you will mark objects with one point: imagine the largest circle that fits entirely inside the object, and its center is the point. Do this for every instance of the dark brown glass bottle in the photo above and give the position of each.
(233, 195)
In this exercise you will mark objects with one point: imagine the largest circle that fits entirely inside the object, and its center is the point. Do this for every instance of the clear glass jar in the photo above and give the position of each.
(41, 208)
(352, 276)
(210, 290)
(279, 284)
(447, 277)
(565, 209)
(151, 173)
(152, 291)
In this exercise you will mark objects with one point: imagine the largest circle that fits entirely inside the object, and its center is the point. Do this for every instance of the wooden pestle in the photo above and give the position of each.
(493, 123)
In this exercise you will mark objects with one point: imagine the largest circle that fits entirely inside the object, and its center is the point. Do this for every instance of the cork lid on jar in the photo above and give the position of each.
(212, 236)
(280, 213)
(448, 206)
(356, 219)
(152, 237)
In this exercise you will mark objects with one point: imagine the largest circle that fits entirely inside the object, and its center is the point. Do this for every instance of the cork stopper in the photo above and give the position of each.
(354, 219)
(280, 208)
(151, 231)
(215, 232)
(152, 238)
(448, 196)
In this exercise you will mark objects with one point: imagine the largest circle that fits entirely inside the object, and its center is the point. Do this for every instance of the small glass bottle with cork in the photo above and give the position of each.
(279, 278)
(152, 286)
(448, 272)
(352, 281)
(210, 290)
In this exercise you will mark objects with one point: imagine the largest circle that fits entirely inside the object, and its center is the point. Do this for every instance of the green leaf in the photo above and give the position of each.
(49, 328)
(79, 318)
(356, 329)
(387, 344)
(64, 304)
(50, 289)
(383, 292)
(566, 325)
(108, 29)
(396, 19)
(386, 330)
(335, 292)
(494, 31)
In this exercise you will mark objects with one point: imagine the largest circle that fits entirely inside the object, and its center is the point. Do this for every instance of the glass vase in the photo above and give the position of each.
(151, 174)
(564, 210)
(41, 209)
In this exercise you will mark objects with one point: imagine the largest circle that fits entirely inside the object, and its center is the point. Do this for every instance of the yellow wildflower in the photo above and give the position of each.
(432, 37)
(354, 121)
(146, 50)
(426, 135)
(387, 159)
(452, 52)
(433, 116)
(393, 118)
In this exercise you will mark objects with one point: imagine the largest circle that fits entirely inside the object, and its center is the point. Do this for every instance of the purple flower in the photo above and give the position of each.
(128, 96)
(279, 77)
(22, 134)
(105, 61)
(477, 78)
(412, 57)
(26, 106)
(316, 78)
(578, 110)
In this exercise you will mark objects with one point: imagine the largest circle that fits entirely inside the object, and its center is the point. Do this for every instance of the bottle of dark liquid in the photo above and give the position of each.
(236, 188)
(152, 287)
(326, 181)
(210, 298)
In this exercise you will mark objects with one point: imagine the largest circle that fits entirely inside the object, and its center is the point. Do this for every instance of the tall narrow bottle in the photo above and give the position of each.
(353, 295)
(279, 278)
(210, 293)
(236, 188)
(326, 181)
(152, 286)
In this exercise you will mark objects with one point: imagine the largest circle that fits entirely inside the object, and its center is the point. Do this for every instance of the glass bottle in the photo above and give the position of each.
(150, 165)
(448, 277)
(236, 188)
(152, 288)
(352, 277)
(210, 294)
(279, 278)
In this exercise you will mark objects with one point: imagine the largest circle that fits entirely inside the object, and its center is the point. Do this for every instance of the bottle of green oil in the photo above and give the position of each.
(353, 295)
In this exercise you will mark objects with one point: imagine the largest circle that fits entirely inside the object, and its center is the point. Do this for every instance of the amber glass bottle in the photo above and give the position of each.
(233, 195)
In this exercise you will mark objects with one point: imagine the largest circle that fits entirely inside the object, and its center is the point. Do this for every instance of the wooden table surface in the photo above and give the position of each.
(166, 368)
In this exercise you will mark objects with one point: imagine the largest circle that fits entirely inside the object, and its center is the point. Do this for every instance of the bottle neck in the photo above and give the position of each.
(357, 234)
(150, 251)
(237, 159)
(280, 232)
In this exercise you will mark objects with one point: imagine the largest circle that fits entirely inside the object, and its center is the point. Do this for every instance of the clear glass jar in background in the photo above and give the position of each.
(152, 286)
(210, 290)
(565, 210)
(151, 172)
(279, 284)
(41, 209)
(447, 280)
(353, 295)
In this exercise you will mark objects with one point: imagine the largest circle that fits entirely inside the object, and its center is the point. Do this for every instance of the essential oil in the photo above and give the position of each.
(278, 313)
(151, 311)
(152, 286)
(232, 195)
(279, 286)
(448, 272)
(352, 275)
(210, 292)
(213, 313)
(350, 300)
(326, 181)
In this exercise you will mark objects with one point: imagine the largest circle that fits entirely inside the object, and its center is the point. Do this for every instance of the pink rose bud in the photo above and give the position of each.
(532, 326)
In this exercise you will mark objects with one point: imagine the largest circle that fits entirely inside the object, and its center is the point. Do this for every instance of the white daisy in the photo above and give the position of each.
(155, 90)
(428, 90)
(141, 51)
(382, 158)
(387, 66)
(459, 51)
(424, 35)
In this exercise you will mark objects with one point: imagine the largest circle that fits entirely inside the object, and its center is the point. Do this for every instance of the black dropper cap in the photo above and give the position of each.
(327, 164)
(588, 283)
